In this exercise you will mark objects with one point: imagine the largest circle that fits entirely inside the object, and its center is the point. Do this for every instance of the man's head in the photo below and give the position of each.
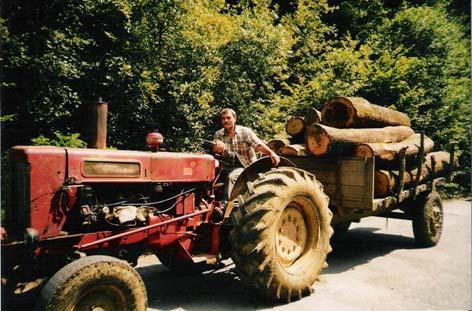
(228, 118)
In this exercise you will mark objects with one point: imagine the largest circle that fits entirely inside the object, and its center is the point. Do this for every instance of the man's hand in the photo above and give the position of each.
(275, 158)
(219, 147)
(268, 152)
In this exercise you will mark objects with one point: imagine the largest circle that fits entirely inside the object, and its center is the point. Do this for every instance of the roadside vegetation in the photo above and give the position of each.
(172, 65)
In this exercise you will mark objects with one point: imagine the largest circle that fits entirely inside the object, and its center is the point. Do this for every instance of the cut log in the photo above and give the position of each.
(293, 150)
(390, 151)
(295, 127)
(322, 140)
(387, 182)
(313, 116)
(356, 112)
(276, 144)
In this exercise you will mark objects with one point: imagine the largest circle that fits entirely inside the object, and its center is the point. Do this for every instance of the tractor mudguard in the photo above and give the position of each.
(249, 174)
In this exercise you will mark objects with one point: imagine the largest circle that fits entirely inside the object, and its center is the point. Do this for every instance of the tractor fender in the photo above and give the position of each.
(250, 174)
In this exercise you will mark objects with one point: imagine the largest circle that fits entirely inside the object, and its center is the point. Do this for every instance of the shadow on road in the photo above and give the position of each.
(360, 245)
(221, 289)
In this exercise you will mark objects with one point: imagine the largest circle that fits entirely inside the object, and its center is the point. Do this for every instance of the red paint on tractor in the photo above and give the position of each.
(153, 167)
(55, 172)
(47, 172)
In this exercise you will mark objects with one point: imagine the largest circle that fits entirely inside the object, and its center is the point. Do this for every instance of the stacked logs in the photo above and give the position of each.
(351, 126)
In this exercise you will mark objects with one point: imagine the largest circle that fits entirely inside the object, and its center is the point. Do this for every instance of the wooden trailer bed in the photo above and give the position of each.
(349, 183)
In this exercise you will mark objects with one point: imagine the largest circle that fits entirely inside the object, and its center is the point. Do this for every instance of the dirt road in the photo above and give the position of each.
(374, 267)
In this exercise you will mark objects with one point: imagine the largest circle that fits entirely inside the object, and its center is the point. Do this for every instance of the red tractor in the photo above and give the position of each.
(76, 220)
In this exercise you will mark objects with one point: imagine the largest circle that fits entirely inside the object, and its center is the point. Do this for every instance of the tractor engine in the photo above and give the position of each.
(56, 191)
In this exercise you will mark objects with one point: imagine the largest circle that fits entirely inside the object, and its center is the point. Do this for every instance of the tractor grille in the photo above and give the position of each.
(17, 212)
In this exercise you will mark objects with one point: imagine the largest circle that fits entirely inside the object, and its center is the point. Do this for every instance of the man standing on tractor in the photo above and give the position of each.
(237, 145)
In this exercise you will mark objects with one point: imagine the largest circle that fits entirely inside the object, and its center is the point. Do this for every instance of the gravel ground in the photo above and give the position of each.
(374, 267)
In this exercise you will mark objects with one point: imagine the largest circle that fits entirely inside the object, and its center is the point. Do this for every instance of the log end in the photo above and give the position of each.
(339, 112)
(295, 126)
(382, 184)
(288, 151)
(317, 140)
(363, 151)
(276, 144)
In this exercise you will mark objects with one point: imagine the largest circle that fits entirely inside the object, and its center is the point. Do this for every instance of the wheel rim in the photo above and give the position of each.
(100, 298)
(291, 237)
(435, 220)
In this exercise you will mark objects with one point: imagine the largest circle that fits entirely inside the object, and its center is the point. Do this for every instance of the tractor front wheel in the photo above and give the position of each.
(94, 283)
(281, 233)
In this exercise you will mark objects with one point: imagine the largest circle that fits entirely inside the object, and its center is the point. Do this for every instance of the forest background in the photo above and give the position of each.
(173, 64)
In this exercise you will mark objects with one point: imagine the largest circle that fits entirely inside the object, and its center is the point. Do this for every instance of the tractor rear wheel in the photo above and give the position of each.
(428, 219)
(281, 233)
(94, 283)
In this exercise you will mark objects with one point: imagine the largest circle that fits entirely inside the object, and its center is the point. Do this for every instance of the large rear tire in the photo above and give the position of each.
(281, 233)
(428, 219)
(94, 283)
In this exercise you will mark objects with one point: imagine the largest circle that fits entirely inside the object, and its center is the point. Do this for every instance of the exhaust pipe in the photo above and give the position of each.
(97, 132)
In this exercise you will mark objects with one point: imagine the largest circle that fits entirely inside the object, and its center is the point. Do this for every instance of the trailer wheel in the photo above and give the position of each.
(94, 283)
(281, 233)
(428, 219)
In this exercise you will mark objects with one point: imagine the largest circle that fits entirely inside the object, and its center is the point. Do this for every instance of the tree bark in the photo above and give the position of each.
(356, 112)
(390, 151)
(387, 182)
(322, 140)
(313, 116)
(294, 150)
(276, 144)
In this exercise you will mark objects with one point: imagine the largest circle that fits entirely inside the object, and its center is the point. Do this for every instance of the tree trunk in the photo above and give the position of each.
(276, 144)
(390, 151)
(356, 112)
(322, 140)
(387, 182)
(293, 150)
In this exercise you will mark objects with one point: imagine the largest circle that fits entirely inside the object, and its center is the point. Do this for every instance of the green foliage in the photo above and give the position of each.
(60, 140)
(8, 118)
(172, 65)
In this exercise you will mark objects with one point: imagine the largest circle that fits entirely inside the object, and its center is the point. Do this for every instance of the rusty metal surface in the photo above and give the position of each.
(110, 168)
(52, 167)
(154, 166)
(97, 131)
(47, 174)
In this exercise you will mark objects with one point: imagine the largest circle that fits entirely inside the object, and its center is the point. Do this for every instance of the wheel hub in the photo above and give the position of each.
(101, 298)
(435, 220)
(291, 236)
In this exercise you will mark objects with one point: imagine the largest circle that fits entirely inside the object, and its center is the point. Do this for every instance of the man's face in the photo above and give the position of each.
(227, 120)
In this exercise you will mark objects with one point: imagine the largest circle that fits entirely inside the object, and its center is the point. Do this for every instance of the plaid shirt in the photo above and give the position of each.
(240, 147)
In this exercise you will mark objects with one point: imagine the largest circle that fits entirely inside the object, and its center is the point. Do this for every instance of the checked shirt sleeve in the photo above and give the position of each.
(252, 139)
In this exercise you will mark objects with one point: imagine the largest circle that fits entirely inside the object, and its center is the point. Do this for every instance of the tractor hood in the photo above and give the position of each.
(89, 165)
